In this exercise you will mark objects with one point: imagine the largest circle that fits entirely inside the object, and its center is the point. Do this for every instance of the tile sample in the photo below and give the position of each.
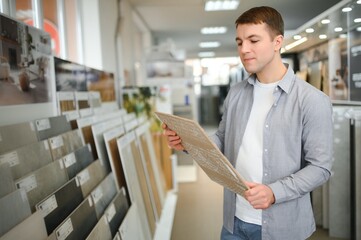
(32, 227)
(60, 204)
(51, 127)
(90, 177)
(28, 158)
(129, 229)
(135, 190)
(65, 143)
(42, 182)
(103, 194)
(100, 231)
(16, 135)
(14, 208)
(77, 161)
(116, 211)
(80, 222)
(7, 184)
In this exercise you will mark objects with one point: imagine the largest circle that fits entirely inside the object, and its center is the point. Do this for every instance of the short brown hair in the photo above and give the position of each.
(263, 14)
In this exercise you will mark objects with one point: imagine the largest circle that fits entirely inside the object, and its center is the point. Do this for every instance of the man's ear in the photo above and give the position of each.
(278, 42)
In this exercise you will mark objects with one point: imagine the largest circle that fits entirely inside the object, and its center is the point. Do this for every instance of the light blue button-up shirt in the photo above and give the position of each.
(297, 157)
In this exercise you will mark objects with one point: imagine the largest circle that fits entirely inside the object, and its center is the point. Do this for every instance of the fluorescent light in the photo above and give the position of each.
(338, 29)
(206, 54)
(283, 50)
(297, 37)
(358, 2)
(358, 29)
(322, 36)
(357, 20)
(218, 5)
(295, 43)
(209, 44)
(346, 9)
(213, 30)
(310, 30)
(343, 35)
(325, 21)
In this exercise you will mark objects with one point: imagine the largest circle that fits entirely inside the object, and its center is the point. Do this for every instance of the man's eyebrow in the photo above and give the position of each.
(250, 36)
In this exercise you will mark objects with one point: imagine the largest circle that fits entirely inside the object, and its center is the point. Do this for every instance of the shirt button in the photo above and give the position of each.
(266, 174)
(266, 150)
(264, 222)
(266, 125)
(275, 104)
(276, 88)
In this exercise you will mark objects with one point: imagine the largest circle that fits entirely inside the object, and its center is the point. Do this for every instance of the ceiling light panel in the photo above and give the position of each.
(206, 54)
(219, 5)
(213, 30)
(209, 44)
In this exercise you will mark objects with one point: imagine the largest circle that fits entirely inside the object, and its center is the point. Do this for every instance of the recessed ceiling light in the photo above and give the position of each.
(213, 30)
(346, 9)
(209, 44)
(297, 37)
(358, 2)
(218, 5)
(338, 29)
(322, 36)
(206, 54)
(358, 29)
(310, 30)
(325, 21)
(357, 20)
(343, 35)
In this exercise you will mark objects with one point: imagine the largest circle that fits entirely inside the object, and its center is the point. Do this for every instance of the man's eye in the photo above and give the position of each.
(254, 41)
(239, 44)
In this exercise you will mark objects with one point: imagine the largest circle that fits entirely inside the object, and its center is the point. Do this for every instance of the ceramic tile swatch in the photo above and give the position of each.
(80, 222)
(32, 227)
(116, 211)
(129, 229)
(43, 182)
(16, 135)
(90, 177)
(28, 158)
(77, 161)
(52, 126)
(7, 184)
(103, 194)
(14, 208)
(59, 205)
(101, 231)
(65, 143)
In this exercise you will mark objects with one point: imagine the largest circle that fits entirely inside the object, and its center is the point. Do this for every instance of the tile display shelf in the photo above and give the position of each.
(101, 200)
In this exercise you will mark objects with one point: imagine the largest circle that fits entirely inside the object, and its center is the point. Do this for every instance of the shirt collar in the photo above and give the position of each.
(285, 83)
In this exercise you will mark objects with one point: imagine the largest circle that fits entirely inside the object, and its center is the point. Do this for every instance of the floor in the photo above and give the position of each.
(198, 213)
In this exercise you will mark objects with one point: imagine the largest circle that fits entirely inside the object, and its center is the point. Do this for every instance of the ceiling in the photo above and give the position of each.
(181, 20)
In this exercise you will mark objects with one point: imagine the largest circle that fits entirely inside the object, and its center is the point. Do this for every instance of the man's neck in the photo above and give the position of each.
(273, 73)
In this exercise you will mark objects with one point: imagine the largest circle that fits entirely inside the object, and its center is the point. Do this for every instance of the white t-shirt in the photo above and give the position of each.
(249, 160)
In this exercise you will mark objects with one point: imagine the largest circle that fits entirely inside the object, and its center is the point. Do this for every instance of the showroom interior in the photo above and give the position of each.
(82, 154)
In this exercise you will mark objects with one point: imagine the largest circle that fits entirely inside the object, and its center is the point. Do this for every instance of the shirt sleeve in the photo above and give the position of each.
(317, 152)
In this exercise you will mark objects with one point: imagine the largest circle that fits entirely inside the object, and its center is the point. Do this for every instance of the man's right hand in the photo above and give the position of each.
(174, 141)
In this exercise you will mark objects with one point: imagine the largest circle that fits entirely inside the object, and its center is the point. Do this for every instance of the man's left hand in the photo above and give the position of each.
(259, 196)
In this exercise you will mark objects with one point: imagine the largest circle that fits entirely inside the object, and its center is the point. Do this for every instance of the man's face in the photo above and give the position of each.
(256, 47)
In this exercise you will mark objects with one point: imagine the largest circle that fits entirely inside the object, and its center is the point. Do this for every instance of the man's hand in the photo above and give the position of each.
(259, 196)
(174, 141)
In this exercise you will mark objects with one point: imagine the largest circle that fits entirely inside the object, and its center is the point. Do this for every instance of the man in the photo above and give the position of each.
(277, 131)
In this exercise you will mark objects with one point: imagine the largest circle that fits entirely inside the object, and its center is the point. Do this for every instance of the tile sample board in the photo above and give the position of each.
(129, 229)
(78, 160)
(16, 135)
(156, 182)
(116, 211)
(50, 127)
(90, 177)
(80, 222)
(110, 138)
(205, 152)
(101, 231)
(32, 227)
(39, 184)
(66, 101)
(60, 204)
(103, 194)
(14, 208)
(28, 158)
(98, 130)
(137, 196)
(7, 184)
(65, 143)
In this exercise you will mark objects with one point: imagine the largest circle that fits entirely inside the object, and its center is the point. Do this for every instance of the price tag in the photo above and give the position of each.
(12, 158)
(56, 142)
(64, 231)
(42, 124)
(48, 206)
(69, 160)
(97, 194)
(83, 177)
(110, 212)
(28, 183)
